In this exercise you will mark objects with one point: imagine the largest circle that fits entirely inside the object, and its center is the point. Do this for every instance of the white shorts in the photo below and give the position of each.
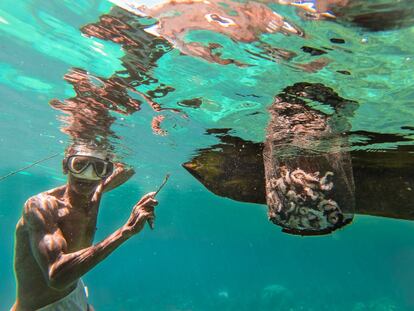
(77, 300)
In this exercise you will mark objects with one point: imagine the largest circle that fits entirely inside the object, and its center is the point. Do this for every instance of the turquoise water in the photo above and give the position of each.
(207, 252)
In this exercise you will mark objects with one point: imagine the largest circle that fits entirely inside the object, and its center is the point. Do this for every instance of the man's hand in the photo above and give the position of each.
(143, 211)
(122, 168)
(119, 176)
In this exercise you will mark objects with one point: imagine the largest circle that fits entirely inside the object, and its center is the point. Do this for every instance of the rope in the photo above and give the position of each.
(29, 166)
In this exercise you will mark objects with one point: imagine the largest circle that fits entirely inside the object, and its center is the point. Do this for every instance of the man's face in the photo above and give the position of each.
(86, 172)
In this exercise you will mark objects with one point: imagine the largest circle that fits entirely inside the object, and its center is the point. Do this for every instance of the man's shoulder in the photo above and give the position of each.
(40, 208)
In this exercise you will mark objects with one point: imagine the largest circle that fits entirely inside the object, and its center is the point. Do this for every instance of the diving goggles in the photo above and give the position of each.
(79, 163)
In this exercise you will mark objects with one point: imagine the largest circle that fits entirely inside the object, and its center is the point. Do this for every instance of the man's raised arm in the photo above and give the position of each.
(120, 175)
(48, 245)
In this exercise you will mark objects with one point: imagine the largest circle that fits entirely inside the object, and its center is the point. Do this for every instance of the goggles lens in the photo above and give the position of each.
(100, 168)
(77, 164)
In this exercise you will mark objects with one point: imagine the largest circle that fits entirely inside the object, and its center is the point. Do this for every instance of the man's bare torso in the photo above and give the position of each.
(76, 225)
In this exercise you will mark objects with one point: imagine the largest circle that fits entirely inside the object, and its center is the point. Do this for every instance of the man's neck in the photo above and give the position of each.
(77, 200)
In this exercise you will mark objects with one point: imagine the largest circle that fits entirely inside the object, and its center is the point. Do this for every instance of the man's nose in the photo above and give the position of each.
(89, 173)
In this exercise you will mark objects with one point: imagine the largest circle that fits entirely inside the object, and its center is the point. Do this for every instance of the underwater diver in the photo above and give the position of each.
(54, 236)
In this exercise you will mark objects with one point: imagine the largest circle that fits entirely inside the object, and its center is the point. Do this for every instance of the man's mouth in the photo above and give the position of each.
(86, 182)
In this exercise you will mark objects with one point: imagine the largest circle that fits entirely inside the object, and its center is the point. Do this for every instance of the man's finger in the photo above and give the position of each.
(148, 209)
(143, 216)
(150, 222)
(149, 203)
(140, 210)
(152, 202)
(150, 195)
(146, 197)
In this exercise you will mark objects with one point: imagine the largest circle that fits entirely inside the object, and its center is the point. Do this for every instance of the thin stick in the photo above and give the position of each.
(29, 166)
(151, 221)
(163, 183)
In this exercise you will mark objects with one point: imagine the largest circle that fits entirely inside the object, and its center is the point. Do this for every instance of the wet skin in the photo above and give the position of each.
(55, 233)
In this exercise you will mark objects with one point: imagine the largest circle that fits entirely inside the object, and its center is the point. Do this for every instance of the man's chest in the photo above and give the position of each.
(78, 227)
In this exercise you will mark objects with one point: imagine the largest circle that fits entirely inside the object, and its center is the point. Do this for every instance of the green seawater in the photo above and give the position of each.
(206, 252)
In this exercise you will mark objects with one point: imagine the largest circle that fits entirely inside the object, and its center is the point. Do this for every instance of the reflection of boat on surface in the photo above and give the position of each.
(251, 172)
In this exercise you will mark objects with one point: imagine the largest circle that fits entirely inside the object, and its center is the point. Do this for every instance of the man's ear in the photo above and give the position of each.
(65, 166)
